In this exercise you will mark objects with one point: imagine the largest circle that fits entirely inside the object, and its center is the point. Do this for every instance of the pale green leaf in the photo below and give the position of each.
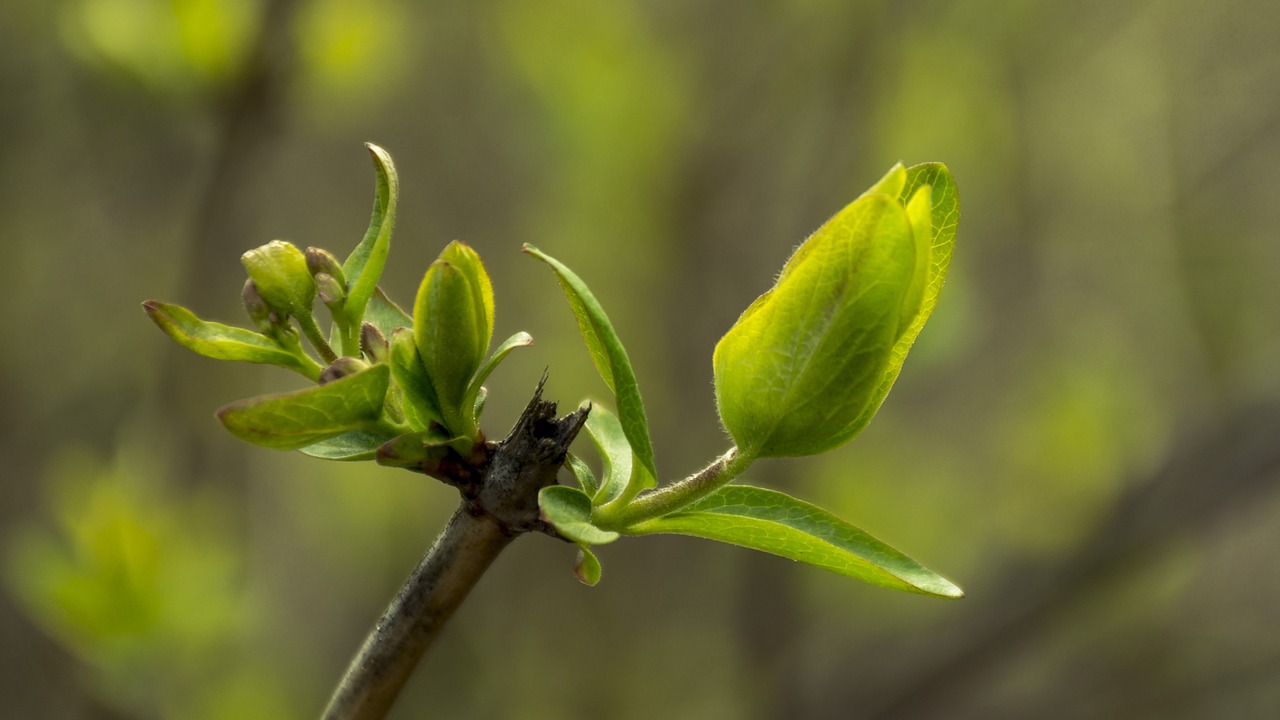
(295, 420)
(569, 511)
(611, 360)
(385, 314)
(777, 523)
(615, 453)
(223, 342)
(353, 445)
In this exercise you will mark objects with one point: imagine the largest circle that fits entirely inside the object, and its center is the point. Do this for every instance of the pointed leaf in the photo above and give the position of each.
(474, 390)
(777, 523)
(295, 420)
(611, 361)
(349, 446)
(363, 267)
(615, 453)
(222, 342)
(467, 261)
(569, 510)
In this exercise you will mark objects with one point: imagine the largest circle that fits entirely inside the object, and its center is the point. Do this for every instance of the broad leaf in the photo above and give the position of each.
(569, 510)
(363, 267)
(805, 359)
(295, 420)
(222, 342)
(615, 453)
(777, 523)
(354, 445)
(611, 361)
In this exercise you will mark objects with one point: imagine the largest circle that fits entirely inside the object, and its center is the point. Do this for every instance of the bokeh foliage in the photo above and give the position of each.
(1114, 299)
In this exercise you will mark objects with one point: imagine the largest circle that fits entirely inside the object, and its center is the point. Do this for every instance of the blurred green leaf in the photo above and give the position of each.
(610, 359)
(363, 267)
(796, 371)
(295, 420)
(777, 523)
(353, 445)
(569, 510)
(223, 342)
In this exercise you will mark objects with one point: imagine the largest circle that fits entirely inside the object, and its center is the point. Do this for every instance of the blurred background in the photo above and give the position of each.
(1086, 437)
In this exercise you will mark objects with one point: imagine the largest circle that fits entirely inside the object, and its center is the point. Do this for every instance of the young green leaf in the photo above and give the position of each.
(615, 453)
(569, 510)
(414, 450)
(223, 342)
(777, 523)
(939, 226)
(475, 388)
(448, 329)
(611, 361)
(421, 408)
(582, 473)
(349, 446)
(795, 372)
(587, 567)
(467, 261)
(295, 420)
(363, 267)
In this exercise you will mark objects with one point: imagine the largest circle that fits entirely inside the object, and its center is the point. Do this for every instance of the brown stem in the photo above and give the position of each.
(499, 503)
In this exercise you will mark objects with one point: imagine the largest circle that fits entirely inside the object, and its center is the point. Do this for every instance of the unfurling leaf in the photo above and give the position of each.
(777, 523)
(587, 567)
(349, 446)
(295, 420)
(421, 408)
(615, 453)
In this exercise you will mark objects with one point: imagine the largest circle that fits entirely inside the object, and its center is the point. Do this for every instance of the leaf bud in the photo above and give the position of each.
(320, 260)
(330, 291)
(373, 343)
(809, 362)
(280, 271)
(340, 368)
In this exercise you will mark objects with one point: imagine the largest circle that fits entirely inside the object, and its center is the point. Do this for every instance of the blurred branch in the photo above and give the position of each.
(1226, 466)
(498, 505)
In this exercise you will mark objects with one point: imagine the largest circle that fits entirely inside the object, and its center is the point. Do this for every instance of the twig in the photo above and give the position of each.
(499, 503)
